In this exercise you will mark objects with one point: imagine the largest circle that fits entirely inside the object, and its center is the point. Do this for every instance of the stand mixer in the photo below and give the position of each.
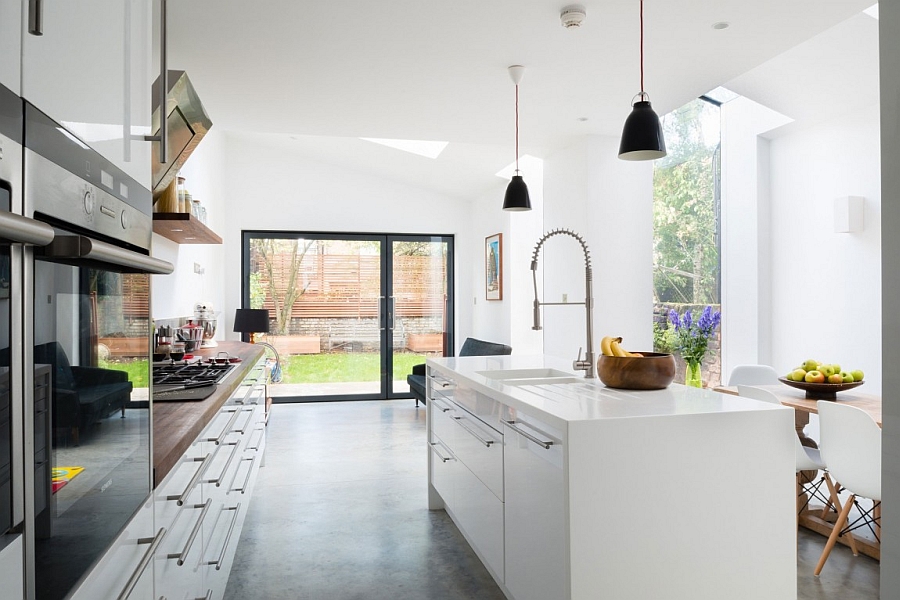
(205, 317)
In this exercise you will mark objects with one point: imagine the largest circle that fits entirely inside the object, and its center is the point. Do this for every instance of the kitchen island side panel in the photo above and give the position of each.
(683, 507)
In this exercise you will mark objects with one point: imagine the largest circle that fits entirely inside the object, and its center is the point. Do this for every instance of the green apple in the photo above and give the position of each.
(814, 377)
(810, 365)
(857, 375)
(837, 367)
(847, 377)
(827, 370)
(835, 378)
(797, 375)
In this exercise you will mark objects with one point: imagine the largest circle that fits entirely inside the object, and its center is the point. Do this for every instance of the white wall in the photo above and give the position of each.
(270, 187)
(175, 295)
(609, 202)
(826, 286)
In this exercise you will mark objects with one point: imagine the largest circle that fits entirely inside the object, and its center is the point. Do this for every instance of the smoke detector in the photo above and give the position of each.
(572, 16)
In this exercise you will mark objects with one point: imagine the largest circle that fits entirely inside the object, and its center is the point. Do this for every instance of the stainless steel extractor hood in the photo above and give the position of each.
(187, 124)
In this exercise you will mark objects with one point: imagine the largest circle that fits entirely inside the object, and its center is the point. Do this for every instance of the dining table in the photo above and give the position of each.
(813, 516)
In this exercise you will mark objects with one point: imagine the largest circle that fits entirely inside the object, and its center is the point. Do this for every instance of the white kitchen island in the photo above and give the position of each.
(568, 489)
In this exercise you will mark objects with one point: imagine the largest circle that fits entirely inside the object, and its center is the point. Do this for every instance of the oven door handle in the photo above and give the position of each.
(84, 248)
(19, 229)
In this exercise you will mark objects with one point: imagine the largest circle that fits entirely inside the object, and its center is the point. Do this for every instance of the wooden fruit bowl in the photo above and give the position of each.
(820, 391)
(652, 371)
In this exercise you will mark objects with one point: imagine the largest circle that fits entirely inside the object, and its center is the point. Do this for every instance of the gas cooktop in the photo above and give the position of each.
(189, 374)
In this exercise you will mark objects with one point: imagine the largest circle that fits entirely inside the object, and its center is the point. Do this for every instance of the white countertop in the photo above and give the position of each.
(589, 399)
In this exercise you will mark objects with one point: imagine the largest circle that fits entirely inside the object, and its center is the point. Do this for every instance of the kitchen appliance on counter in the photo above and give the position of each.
(186, 382)
(206, 317)
(91, 282)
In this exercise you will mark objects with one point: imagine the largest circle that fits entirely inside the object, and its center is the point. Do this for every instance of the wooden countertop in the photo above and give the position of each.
(177, 424)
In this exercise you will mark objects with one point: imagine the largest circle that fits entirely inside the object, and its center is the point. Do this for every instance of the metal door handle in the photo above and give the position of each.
(474, 434)
(391, 309)
(190, 541)
(182, 498)
(218, 562)
(163, 137)
(145, 560)
(380, 316)
(525, 434)
(36, 17)
(437, 405)
(443, 458)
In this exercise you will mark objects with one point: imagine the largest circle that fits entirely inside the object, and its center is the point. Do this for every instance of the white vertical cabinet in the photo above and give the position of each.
(10, 43)
(91, 71)
(536, 520)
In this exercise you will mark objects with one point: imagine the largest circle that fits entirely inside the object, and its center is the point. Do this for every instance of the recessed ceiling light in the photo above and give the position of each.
(582, 119)
(721, 25)
(420, 147)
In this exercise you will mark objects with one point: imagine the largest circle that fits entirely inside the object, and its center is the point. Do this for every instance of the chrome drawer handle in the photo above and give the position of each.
(218, 480)
(443, 458)
(205, 461)
(247, 478)
(236, 509)
(190, 541)
(228, 426)
(443, 381)
(437, 405)
(525, 434)
(142, 565)
(487, 443)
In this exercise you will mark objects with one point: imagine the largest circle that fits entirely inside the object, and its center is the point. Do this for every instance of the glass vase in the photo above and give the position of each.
(692, 375)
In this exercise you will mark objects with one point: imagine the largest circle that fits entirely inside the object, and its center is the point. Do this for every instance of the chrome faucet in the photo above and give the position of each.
(586, 365)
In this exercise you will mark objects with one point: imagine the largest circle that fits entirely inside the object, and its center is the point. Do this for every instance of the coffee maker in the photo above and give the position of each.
(205, 317)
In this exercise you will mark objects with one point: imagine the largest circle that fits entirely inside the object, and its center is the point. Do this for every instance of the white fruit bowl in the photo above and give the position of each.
(821, 391)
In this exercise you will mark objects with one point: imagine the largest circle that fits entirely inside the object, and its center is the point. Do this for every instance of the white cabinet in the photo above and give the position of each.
(204, 500)
(91, 71)
(466, 468)
(12, 566)
(10, 43)
(536, 526)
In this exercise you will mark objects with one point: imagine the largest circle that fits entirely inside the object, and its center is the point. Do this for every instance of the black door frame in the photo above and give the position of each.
(386, 282)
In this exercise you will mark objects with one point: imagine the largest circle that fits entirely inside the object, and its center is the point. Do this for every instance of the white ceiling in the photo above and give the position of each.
(305, 70)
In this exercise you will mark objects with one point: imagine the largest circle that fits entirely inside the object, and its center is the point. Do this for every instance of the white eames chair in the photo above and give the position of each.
(851, 446)
(807, 459)
(753, 375)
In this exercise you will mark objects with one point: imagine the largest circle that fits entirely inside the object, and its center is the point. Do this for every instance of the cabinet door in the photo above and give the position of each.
(10, 43)
(536, 536)
(91, 71)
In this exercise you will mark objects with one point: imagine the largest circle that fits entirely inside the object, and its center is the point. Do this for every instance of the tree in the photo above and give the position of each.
(685, 215)
(282, 284)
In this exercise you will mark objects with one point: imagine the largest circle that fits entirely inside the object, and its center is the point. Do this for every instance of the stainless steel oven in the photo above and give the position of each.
(88, 337)
(15, 230)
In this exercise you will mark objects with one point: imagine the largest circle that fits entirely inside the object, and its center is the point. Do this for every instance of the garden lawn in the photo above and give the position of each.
(344, 367)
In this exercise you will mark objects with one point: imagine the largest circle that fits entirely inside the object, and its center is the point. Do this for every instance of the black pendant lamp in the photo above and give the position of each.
(517, 198)
(642, 136)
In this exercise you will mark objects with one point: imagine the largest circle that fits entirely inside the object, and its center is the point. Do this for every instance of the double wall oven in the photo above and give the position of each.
(75, 416)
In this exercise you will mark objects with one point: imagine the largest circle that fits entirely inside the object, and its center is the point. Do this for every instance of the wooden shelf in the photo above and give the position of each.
(183, 228)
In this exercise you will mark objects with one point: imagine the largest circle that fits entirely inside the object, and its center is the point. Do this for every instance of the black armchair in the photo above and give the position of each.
(471, 347)
(82, 395)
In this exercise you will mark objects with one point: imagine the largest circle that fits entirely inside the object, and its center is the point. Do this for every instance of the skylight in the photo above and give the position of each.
(872, 11)
(420, 147)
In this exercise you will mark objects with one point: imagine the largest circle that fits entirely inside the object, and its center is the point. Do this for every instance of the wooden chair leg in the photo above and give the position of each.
(836, 501)
(877, 514)
(832, 539)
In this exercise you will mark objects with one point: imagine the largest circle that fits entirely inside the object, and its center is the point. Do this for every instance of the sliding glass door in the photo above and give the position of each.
(349, 314)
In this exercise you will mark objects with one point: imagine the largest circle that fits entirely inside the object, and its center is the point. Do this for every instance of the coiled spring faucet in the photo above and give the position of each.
(586, 365)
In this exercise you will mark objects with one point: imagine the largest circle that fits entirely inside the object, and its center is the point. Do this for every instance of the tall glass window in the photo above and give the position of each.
(686, 223)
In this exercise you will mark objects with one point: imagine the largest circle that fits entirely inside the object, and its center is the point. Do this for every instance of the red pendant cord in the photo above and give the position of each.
(517, 128)
(642, 49)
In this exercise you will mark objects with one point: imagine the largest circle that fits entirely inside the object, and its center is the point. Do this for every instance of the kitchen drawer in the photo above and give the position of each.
(177, 559)
(484, 407)
(443, 466)
(479, 514)
(442, 422)
(480, 448)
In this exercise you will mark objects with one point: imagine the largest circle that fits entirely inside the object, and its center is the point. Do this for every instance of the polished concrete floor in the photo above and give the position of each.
(340, 513)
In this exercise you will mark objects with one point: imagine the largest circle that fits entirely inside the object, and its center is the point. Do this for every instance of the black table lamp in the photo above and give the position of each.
(252, 321)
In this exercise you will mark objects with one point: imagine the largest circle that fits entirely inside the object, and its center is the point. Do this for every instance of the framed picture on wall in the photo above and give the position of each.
(493, 266)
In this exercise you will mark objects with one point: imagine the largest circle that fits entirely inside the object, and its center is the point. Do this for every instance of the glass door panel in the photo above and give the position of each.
(326, 312)
(420, 301)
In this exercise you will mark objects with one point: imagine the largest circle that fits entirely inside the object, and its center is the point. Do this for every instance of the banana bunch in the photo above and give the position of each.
(611, 346)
